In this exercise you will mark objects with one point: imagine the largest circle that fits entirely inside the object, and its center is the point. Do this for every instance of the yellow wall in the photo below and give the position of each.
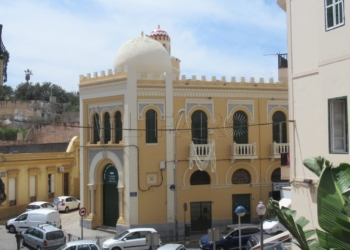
(22, 166)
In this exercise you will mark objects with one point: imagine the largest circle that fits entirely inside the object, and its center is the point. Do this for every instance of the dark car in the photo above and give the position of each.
(229, 237)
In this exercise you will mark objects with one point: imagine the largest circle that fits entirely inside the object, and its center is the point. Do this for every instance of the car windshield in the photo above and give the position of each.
(120, 236)
(226, 231)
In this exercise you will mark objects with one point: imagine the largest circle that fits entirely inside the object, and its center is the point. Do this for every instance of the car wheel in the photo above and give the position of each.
(24, 243)
(220, 248)
(12, 229)
(66, 209)
(278, 232)
(79, 206)
(38, 248)
(116, 248)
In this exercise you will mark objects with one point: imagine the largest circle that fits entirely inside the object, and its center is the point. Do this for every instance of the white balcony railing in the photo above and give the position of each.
(201, 150)
(243, 151)
(277, 149)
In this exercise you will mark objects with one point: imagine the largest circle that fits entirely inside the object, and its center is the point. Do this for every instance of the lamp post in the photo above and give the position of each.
(181, 111)
(261, 210)
(240, 211)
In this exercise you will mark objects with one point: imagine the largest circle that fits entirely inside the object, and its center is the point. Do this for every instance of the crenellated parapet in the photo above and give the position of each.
(122, 72)
(224, 80)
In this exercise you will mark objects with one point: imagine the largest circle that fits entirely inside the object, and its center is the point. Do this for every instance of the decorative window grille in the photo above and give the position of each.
(241, 176)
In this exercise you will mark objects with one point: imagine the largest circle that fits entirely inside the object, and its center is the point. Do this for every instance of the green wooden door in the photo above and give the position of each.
(241, 200)
(110, 196)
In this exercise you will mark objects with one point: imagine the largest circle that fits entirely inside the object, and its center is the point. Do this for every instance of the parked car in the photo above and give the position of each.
(272, 226)
(172, 246)
(43, 236)
(80, 245)
(33, 218)
(67, 203)
(40, 205)
(229, 237)
(133, 239)
(276, 242)
(254, 240)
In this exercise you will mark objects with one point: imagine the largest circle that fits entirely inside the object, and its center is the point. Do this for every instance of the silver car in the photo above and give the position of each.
(43, 236)
(80, 245)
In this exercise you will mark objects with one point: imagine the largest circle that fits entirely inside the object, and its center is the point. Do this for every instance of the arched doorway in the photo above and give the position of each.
(110, 196)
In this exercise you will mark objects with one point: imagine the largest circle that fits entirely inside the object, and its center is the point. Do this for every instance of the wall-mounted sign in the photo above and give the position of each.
(2, 174)
(133, 194)
(110, 175)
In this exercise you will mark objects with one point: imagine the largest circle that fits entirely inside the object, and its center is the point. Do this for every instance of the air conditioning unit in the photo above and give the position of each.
(60, 169)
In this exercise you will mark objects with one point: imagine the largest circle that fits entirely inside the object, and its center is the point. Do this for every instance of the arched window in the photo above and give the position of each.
(240, 127)
(96, 128)
(199, 127)
(118, 127)
(241, 176)
(151, 126)
(107, 128)
(276, 175)
(279, 128)
(200, 178)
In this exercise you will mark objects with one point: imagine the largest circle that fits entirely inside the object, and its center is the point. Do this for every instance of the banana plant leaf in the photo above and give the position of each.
(286, 218)
(333, 207)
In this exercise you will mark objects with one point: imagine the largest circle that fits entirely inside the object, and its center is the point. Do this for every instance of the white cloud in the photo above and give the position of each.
(60, 40)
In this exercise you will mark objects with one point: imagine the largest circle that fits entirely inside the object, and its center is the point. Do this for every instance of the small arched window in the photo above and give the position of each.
(241, 176)
(151, 126)
(118, 127)
(107, 128)
(276, 175)
(96, 128)
(240, 127)
(200, 178)
(279, 128)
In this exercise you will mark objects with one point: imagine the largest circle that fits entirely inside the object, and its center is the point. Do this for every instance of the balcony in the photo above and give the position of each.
(202, 151)
(277, 149)
(243, 151)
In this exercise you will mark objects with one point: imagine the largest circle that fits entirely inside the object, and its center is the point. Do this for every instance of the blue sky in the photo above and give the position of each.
(62, 39)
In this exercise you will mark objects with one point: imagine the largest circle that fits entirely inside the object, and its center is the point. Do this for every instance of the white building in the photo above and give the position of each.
(319, 63)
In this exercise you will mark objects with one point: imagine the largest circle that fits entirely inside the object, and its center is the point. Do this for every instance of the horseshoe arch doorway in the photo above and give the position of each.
(110, 196)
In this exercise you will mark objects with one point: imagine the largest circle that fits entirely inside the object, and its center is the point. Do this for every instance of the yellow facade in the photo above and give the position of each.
(141, 194)
(26, 177)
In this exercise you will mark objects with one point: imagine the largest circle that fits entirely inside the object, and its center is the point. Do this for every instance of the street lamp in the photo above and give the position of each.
(261, 210)
(240, 211)
(181, 111)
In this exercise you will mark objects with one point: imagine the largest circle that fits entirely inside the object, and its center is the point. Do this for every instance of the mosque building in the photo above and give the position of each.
(172, 152)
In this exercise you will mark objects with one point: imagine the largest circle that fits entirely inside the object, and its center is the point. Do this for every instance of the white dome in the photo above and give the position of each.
(144, 54)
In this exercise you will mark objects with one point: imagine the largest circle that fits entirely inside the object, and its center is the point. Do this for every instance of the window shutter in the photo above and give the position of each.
(12, 189)
(338, 126)
(52, 183)
(32, 186)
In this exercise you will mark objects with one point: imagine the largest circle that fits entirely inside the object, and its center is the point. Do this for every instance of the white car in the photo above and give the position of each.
(66, 203)
(133, 239)
(40, 205)
(80, 244)
(172, 246)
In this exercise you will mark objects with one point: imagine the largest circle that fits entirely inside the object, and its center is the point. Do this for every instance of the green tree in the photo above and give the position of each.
(6, 91)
